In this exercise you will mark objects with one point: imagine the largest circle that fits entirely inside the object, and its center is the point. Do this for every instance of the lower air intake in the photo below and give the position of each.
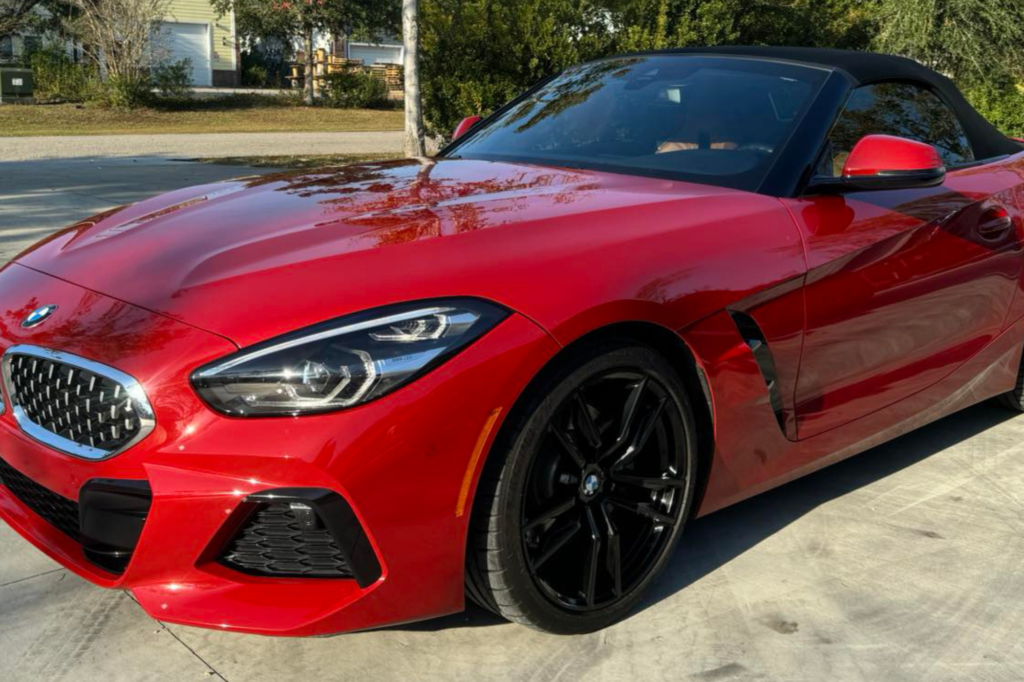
(107, 520)
(301, 533)
(276, 541)
(58, 511)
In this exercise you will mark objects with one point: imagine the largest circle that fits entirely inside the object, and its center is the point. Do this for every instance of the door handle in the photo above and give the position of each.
(994, 223)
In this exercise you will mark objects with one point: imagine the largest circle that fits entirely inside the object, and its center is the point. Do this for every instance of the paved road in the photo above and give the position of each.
(197, 146)
(900, 564)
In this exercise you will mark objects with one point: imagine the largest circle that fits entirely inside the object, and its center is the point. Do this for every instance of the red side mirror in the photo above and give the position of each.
(884, 162)
(464, 127)
(887, 155)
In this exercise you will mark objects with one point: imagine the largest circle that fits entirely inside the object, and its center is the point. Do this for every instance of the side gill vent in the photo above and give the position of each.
(754, 338)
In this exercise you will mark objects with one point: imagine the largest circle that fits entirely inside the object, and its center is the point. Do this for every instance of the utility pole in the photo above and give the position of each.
(414, 146)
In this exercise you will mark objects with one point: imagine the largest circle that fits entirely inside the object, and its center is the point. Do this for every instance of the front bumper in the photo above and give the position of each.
(407, 466)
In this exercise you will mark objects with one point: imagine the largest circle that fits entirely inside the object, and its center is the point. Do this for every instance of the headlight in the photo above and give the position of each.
(344, 362)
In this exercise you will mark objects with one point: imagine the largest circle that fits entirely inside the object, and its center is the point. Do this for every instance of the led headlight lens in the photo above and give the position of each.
(344, 362)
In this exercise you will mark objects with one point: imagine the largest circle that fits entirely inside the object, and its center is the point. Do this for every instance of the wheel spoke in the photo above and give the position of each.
(593, 558)
(613, 560)
(557, 542)
(569, 446)
(551, 513)
(644, 435)
(648, 482)
(645, 510)
(585, 422)
(629, 415)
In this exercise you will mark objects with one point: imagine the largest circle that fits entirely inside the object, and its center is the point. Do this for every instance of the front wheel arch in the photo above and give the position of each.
(662, 339)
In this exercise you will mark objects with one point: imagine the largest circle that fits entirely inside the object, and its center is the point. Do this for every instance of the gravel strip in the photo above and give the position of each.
(197, 146)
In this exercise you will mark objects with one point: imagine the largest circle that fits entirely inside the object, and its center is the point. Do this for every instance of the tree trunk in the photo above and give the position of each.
(413, 112)
(310, 67)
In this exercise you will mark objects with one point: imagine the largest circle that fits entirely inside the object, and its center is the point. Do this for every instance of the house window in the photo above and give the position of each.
(6, 48)
(31, 44)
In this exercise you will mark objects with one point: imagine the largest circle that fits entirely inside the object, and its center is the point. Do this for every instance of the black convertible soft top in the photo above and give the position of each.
(863, 68)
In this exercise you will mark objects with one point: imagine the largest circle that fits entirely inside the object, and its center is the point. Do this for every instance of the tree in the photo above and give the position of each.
(413, 112)
(15, 14)
(972, 41)
(288, 19)
(657, 24)
(118, 38)
(478, 54)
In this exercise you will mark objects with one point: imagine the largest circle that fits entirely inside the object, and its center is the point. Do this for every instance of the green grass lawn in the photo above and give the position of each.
(237, 114)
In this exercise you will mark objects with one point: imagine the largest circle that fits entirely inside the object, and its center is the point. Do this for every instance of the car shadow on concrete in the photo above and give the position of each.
(714, 540)
(38, 198)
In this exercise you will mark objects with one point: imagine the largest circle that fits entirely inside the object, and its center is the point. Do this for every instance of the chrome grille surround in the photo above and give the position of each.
(56, 400)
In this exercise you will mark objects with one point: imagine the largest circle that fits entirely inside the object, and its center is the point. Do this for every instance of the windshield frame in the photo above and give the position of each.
(782, 159)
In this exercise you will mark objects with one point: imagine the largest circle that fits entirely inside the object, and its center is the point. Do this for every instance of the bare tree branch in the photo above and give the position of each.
(121, 36)
(14, 14)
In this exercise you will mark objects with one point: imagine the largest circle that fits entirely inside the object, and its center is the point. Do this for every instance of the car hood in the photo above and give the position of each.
(256, 257)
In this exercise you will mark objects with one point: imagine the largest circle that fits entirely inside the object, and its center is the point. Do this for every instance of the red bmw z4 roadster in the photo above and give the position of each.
(650, 287)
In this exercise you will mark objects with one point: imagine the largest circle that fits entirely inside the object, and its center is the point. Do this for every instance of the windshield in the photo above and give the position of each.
(715, 120)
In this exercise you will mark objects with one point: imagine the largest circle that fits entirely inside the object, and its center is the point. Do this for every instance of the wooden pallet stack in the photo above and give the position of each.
(391, 74)
(394, 76)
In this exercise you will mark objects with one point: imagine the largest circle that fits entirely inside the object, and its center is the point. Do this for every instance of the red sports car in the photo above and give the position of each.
(650, 287)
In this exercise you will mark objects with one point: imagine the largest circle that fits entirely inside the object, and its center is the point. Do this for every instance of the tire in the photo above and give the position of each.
(1014, 399)
(619, 517)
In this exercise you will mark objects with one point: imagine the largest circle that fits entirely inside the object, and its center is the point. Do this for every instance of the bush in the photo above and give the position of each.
(173, 79)
(355, 90)
(264, 68)
(58, 79)
(126, 92)
(1002, 103)
(256, 76)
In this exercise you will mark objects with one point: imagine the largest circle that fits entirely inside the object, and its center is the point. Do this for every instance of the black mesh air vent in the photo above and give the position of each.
(275, 542)
(58, 511)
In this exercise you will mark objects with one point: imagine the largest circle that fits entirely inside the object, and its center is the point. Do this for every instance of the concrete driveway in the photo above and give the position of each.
(900, 564)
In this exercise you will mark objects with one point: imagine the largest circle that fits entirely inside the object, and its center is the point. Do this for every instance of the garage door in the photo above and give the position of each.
(376, 54)
(190, 41)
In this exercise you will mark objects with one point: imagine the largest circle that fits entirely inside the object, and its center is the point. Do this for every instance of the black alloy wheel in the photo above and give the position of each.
(585, 504)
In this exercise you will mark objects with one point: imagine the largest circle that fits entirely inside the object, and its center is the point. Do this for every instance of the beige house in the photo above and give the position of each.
(191, 30)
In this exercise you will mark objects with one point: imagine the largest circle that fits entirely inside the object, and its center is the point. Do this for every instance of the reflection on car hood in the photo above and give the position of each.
(255, 257)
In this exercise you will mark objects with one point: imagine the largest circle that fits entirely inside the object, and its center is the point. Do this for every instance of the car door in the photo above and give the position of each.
(902, 286)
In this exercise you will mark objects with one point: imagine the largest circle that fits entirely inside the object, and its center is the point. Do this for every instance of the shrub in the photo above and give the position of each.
(265, 68)
(58, 79)
(256, 76)
(1002, 103)
(126, 92)
(354, 90)
(173, 79)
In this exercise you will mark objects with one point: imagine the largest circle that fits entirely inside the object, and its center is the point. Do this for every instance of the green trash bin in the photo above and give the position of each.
(15, 85)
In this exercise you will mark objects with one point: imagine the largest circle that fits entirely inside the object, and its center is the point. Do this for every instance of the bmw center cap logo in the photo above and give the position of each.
(38, 316)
